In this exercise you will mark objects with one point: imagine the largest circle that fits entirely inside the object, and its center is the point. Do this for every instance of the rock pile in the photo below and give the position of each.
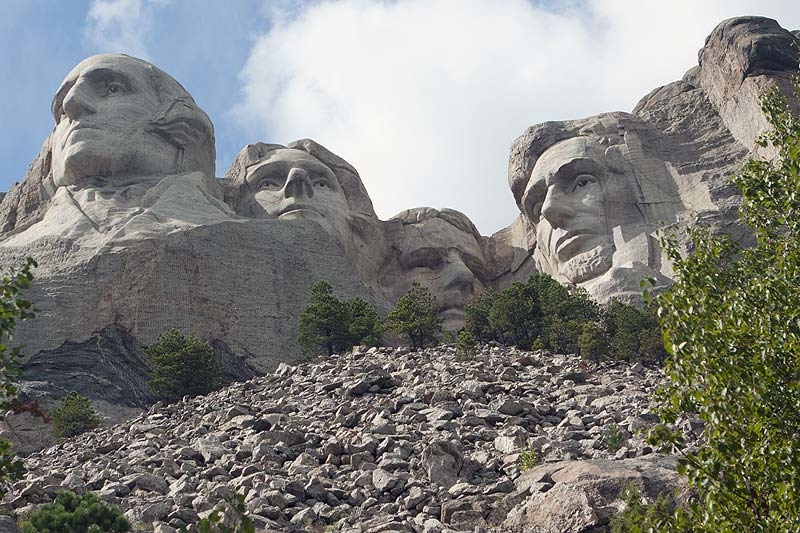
(380, 440)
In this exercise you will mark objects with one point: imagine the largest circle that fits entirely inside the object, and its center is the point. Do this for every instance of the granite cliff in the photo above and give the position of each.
(135, 234)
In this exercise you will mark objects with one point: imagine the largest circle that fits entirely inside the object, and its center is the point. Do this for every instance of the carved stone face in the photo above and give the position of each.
(568, 199)
(292, 184)
(443, 258)
(102, 111)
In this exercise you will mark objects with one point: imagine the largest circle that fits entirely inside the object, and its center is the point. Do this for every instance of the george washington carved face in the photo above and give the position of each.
(119, 118)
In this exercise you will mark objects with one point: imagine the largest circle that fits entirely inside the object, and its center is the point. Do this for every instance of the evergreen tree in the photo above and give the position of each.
(476, 316)
(71, 513)
(181, 366)
(592, 342)
(364, 326)
(415, 316)
(73, 416)
(324, 323)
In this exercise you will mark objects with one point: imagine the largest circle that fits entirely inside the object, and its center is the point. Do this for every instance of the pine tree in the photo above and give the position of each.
(415, 316)
(181, 366)
(323, 324)
(73, 416)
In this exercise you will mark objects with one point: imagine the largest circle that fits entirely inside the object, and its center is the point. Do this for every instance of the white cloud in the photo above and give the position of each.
(425, 96)
(120, 26)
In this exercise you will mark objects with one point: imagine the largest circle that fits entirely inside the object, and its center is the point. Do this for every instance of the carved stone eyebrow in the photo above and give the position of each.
(92, 75)
(264, 169)
(573, 167)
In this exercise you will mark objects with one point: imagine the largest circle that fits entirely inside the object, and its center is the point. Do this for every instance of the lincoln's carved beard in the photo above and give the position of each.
(588, 265)
(577, 259)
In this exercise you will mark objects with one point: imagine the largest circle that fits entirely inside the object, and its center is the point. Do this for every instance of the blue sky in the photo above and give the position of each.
(423, 97)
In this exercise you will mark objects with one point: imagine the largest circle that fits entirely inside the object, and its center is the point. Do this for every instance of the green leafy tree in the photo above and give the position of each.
(235, 520)
(415, 316)
(181, 366)
(71, 513)
(592, 342)
(73, 416)
(364, 326)
(732, 326)
(13, 308)
(323, 324)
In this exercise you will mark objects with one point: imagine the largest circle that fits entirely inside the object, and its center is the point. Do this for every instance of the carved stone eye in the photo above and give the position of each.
(582, 181)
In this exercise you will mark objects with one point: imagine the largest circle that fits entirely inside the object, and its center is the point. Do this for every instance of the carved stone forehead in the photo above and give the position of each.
(290, 157)
(142, 74)
(563, 152)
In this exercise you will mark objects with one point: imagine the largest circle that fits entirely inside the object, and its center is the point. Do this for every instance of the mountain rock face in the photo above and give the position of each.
(381, 440)
(135, 234)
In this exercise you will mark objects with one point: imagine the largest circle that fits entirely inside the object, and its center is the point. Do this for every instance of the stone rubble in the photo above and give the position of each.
(379, 440)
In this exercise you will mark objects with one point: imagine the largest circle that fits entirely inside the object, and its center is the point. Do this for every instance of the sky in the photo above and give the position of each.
(423, 97)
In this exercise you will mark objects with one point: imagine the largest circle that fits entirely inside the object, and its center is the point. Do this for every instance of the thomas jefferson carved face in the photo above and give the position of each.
(574, 200)
(291, 184)
(119, 118)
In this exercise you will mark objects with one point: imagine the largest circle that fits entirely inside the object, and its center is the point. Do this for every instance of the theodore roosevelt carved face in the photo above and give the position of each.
(440, 249)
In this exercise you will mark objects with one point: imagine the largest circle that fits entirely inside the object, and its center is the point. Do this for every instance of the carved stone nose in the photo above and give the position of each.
(457, 276)
(76, 102)
(556, 209)
(298, 184)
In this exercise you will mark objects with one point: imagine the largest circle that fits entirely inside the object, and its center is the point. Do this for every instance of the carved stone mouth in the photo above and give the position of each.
(77, 127)
(299, 208)
(571, 238)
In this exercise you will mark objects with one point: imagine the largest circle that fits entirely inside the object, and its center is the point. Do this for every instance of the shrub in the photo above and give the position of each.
(528, 458)
(72, 513)
(73, 416)
(465, 344)
(13, 307)
(732, 326)
(615, 438)
(415, 316)
(181, 366)
(636, 514)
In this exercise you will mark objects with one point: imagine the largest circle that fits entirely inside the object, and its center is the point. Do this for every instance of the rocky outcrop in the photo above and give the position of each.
(599, 190)
(379, 440)
(242, 284)
(131, 228)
